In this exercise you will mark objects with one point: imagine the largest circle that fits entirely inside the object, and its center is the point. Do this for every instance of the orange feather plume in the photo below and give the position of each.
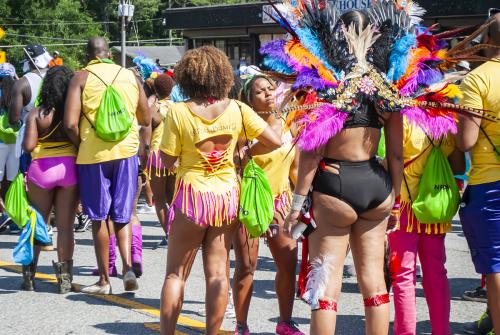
(302, 56)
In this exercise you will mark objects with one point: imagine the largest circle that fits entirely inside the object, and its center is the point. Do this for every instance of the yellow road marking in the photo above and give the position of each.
(198, 326)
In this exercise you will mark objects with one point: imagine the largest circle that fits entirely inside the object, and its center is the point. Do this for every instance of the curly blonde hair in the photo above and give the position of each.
(204, 72)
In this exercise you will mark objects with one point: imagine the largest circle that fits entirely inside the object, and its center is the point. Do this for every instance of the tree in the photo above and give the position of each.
(45, 22)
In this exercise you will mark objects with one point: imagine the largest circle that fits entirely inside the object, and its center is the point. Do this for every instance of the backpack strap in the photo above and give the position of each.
(92, 72)
(495, 149)
(405, 165)
(432, 142)
(246, 139)
(116, 76)
(50, 132)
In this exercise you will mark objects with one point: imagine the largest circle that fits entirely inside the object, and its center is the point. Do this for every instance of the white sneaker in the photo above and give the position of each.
(96, 289)
(145, 209)
(230, 312)
(130, 281)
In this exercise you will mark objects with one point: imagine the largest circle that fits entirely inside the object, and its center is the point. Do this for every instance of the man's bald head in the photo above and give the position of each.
(97, 47)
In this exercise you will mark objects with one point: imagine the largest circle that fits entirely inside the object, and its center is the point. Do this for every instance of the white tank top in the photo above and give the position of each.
(35, 81)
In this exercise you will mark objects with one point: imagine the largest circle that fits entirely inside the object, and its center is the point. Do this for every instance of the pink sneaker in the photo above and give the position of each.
(288, 328)
(241, 329)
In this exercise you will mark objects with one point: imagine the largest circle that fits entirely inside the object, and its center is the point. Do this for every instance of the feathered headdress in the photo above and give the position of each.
(392, 63)
(147, 67)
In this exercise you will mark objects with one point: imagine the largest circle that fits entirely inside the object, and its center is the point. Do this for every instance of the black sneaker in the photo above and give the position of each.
(83, 223)
(162, 243)
(478, 295)
(481, 327)
(14, 229)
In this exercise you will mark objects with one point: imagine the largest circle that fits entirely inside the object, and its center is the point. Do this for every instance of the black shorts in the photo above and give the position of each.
(363, 185)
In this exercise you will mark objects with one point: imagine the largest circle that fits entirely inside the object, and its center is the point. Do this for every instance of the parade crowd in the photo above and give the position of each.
(87, 144)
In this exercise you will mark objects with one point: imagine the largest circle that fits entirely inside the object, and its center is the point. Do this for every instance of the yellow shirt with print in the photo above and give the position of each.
(481, 90)
(184, 130)
(92, 149)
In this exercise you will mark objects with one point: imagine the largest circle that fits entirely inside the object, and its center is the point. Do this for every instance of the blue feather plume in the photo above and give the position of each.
(398, 60)
(312, 43)
(146, 66)
(277, 65)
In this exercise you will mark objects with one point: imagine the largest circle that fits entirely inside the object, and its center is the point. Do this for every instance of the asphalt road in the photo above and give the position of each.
(46, 312)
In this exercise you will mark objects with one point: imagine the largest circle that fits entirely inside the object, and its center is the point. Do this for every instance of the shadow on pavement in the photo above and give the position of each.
(9, 285)
(424, 328)
(120, 328)
(350, 324)
(7, 245)
(89, 299)
(299, 320)
(459, 285)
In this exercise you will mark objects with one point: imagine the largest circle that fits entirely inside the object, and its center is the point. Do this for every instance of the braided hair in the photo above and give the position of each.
(54, 90)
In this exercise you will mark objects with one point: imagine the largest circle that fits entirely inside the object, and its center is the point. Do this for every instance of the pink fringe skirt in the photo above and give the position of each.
(205, 208)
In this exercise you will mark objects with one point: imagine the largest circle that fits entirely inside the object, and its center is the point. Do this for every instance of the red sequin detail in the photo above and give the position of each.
(377, 300)
(327, 305)
(322, 166)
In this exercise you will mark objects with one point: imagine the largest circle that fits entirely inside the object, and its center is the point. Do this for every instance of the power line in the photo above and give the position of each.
(44, 37)
(56, 23)
(52, 22)
(162, 41)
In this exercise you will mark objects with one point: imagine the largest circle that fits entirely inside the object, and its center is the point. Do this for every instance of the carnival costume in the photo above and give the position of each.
(346, 77)
(207, 187)
(155, 165)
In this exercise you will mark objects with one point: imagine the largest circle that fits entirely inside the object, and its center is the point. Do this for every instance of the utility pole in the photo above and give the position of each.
(125, 12)
(170, 30)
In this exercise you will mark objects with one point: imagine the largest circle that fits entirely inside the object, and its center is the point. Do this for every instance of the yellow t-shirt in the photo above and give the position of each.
(481, 89)
(277, 165)
(158, 131)
(184, 129)
(414, 143)
(92, 149)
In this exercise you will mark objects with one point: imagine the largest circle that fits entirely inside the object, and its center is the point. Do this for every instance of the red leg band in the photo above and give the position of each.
(327, 305)
(377, 300)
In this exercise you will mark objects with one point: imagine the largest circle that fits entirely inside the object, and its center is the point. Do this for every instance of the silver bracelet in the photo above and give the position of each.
(297, 202)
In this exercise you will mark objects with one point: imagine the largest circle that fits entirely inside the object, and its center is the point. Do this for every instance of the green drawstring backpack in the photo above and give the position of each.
(256, 198)
(381, 151)
(16, 202)
(113, 122)
(8, 132)
(438, 196)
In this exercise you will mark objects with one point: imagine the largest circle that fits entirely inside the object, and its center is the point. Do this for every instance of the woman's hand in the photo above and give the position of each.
(291, 221)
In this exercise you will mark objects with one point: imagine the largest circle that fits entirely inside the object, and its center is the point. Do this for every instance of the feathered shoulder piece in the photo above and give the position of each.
(336, 67)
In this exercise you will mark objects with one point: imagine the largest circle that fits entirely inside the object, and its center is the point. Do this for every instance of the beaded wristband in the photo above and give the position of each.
(297, 202)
